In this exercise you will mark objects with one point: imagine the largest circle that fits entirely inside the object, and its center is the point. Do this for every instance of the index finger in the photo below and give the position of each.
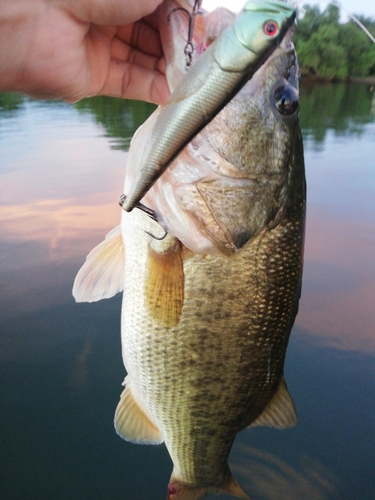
(115, 12)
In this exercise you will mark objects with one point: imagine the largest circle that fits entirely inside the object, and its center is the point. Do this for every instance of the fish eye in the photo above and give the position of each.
(286, 100)
(271, 28)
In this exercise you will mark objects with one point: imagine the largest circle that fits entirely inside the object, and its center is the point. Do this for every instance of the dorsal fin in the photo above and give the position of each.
(131, 422)
(280, 411)
(102, 275)
(164, 285)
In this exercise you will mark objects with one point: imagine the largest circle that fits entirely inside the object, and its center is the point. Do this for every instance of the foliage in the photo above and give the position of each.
(10, 101)
(332, 50)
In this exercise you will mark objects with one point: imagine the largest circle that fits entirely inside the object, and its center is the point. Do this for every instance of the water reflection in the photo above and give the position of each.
(119, 117)
(339, 285)
(339, 282)
(61, 364)
(80, 377)
(269, 477)
(59, 195)
(344, 108)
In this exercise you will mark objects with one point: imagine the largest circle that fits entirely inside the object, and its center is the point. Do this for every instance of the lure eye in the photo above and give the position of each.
(286, 100)
(271, 28)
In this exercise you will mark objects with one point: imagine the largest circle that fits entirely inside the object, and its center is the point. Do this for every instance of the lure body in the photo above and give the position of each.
(213, 80)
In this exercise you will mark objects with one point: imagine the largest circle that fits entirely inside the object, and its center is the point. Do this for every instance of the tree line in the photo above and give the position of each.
(329, 49)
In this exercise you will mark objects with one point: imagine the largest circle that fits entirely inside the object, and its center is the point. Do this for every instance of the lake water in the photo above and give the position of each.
(61, 173)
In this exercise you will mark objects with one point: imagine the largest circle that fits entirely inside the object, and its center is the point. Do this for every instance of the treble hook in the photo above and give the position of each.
(147, 211)
(189, 47)
(157, 237)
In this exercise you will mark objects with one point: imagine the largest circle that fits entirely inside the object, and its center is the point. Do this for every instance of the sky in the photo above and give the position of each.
(363, 7)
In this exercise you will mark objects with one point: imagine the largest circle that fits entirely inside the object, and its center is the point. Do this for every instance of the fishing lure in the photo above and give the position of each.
(214, 79)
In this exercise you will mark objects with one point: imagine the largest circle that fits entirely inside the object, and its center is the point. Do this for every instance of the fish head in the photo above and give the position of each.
(252, 183)
(255, 131)
(237, 177)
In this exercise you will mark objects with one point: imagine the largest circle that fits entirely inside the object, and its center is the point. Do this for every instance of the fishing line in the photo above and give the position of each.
(296, 5)
(338, 6)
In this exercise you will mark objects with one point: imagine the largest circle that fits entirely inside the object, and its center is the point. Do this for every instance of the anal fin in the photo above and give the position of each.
(131, 423)
(280, 412)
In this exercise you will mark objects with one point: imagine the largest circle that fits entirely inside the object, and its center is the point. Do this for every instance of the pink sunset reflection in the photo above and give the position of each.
(338, 292)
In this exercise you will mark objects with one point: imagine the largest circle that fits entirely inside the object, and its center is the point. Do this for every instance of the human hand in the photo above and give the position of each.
(71, 49)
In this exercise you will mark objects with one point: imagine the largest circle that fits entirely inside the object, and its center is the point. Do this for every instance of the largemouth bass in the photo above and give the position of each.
(207, 311)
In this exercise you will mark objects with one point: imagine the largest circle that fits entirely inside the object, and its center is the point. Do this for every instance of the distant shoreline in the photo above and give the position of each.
(313, 79)
(364, 79)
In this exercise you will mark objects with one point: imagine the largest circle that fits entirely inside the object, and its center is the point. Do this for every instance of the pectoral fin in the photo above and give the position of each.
(131, 422)
(102, 275)
(280, 412)
(164, 285)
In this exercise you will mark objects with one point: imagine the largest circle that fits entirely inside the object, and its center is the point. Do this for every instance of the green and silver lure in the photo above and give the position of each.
(211, 82)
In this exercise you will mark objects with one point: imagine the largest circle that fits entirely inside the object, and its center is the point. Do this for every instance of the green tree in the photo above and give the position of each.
(360, 51)
(331, 16)
(322, 54)
(310, 22)
(332, 50)
(10, 101)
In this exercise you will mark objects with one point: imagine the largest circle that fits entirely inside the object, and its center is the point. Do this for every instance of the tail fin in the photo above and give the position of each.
(177, 490)
(234, 489)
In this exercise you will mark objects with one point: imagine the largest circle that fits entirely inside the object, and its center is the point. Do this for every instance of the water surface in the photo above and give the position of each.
(61, 173)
